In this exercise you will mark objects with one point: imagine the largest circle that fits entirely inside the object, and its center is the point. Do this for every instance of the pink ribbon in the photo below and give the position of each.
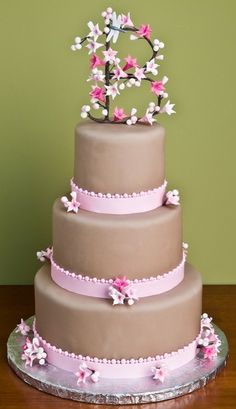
(113, 369)
(119, 204)
(94, 287)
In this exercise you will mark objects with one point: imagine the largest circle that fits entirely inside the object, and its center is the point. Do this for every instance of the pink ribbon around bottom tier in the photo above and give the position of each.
(99, 288)
(119, 204)
(118, 369)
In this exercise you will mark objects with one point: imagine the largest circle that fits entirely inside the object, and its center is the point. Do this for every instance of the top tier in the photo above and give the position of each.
(118, 158)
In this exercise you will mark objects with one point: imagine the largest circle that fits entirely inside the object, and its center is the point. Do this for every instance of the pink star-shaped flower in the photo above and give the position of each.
(118, 114)
(148, 118)
(126, 20)
(121, 282)
(157, 87)
(95, 32)
(139, 73)
(97, 93)
(95, 61)
(119, 73)
(159, 374)
(151, 66)
(210, 352)
(110, 55)
(145, 31)
(73, 205)
(23, 328)
(82, 374)
(130, 63)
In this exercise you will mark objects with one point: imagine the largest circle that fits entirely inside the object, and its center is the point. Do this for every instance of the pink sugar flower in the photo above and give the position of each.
(120, 283)
(44, 255)
(139, 73)
(148, 118)
(210, 352)
(157, 87)
(145, 31)
(23, 328)
(172, 197)
(93, 46)
(126, 20)
(33, 351)
(73, 205)
(117, 296)
(130, 63)
(82, 374)
(118, 114)
(119, 73)
(130, 293)
(159, 374)
(110, 55)
(97, 93)
(95, 61)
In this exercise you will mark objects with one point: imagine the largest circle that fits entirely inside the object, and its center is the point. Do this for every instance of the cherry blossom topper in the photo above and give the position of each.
(110, 75)
(121, 291)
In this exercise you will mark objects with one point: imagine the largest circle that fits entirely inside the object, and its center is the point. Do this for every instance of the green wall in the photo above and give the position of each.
(42, 86)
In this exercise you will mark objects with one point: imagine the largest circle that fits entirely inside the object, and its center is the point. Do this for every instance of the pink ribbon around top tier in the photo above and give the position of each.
(119, 204)
(94, 287)
(118, 369)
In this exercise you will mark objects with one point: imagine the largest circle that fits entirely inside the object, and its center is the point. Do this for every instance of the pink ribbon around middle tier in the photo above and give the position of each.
(99, 288)
(120, 204)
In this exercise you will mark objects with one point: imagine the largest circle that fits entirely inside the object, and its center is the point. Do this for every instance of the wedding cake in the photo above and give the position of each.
(116, 298)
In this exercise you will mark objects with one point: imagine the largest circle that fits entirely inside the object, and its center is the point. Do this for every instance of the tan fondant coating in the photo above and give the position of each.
(94, 327)
(112, 158)
(104, 246)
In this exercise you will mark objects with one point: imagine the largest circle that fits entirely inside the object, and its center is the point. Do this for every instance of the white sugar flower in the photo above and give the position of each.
(157, 44)
(96, 75)
(93, 46)
(112, 90)
(168, 108)
(117, 296)
(95, 32)
(151, 66)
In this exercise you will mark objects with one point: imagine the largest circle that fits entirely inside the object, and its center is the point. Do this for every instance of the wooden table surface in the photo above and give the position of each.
(219, 301)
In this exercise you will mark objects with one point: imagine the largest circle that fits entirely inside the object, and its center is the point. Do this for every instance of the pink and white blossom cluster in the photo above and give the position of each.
(44, 255)
(85, 373)
(33, 352)
(208, 341)
(121, 291)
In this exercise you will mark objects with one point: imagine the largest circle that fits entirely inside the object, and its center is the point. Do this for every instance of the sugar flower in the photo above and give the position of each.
(117, 296)
(157, 87)
(118, 114)
(159, 373)
(119, 73)
(126, 20)
(151, 66)
(77, 45)
(157, 44)
(95, 32)
(97, 94)
(172, 197)
(139, 73)
(44, 255)
(112, 90)
(110, 55)
(114, 28)
(145, 31)
(168, 108)
(83, 373)
(130, 63)
(73, 205)
(120, 283)
(93, 46)
(96, 75)
(148, 117)
(130, 293)
(32, 351)
(210, 352)
(23, 328)
(95, 61)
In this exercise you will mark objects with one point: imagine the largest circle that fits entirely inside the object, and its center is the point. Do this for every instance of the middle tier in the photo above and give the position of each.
(105, 246)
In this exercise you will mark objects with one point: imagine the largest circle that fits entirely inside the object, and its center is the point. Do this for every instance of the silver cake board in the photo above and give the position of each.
(58, 382)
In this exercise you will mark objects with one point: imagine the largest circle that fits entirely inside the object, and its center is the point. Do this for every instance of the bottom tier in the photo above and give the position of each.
(94, 327)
